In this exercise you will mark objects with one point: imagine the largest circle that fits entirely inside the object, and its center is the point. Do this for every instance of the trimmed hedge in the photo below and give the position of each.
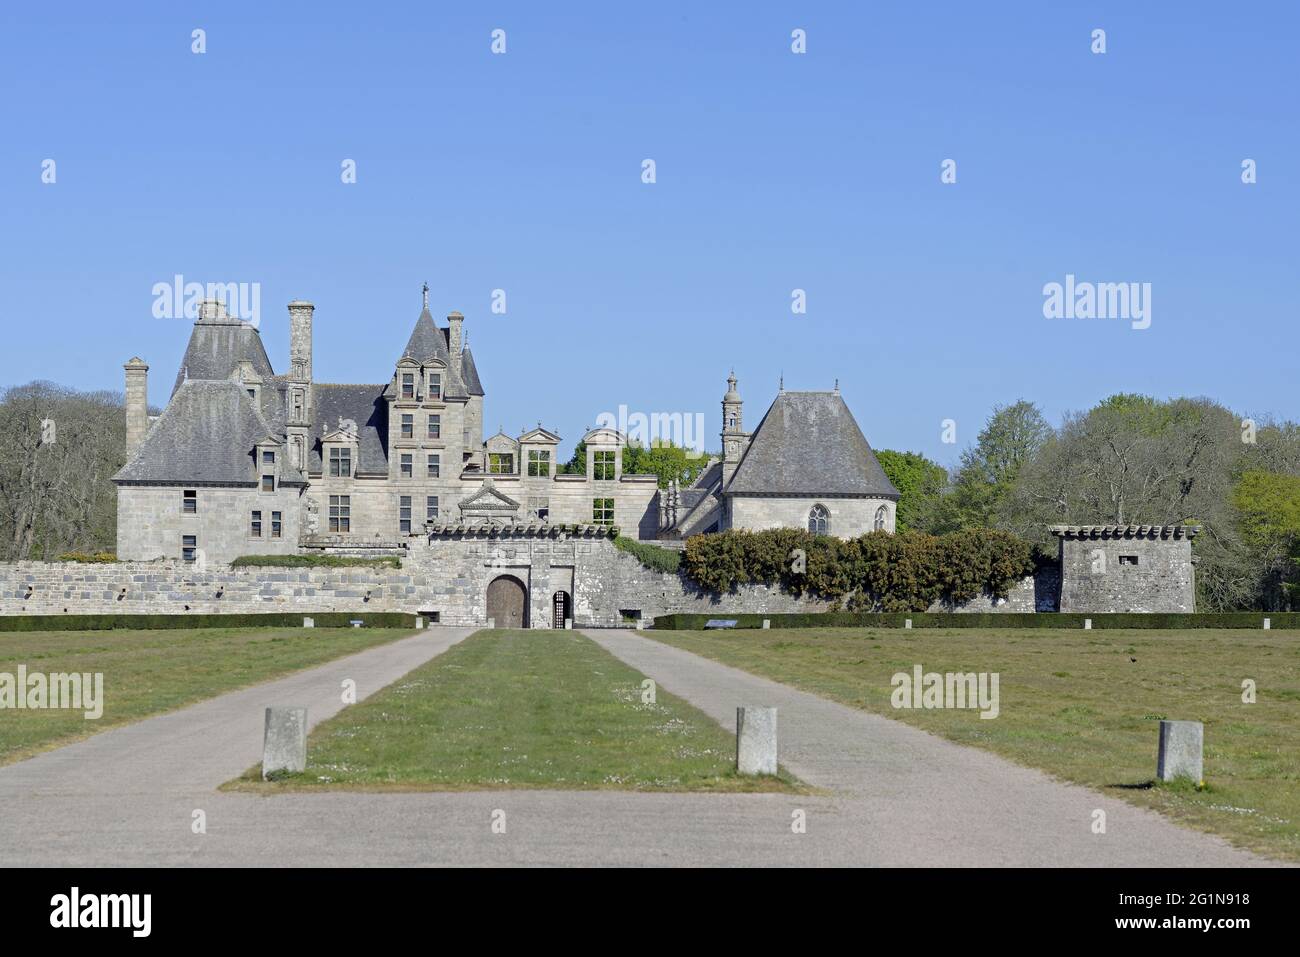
(314, 561)
(845, 619)
(875, 572)
(97, 558)
(652, 557)
(323, 619)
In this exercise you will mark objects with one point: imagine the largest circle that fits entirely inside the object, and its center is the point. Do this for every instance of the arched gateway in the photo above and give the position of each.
(507, 602)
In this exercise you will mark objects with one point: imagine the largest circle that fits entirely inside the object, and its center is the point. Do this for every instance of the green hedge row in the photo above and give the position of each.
(844, 619)
(875, 572)
(327, 619)
(653, 557)
(314, 561)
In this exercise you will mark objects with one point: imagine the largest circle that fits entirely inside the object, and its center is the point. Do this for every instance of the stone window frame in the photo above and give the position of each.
(539, 463)
(255, 524)
(435, 387)
(433, 465)
(433, 429)
(604, 465)
(602, 511)
(819, 519)
(189, 501)
(407, 428)
(404, 514)
(340, 456)
(501, 463)
(340, 514)
(881, 522)
(268, 482)
(189, 548)
(431, 508)
(277, 525)
(407, 380)
(406, 465)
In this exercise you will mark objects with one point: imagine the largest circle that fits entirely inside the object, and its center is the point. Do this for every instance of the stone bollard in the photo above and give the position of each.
(491, 623)
(309, 622)
(1268, 624)
(907, 623)
(1087, 624)
(767, 623)
(568, 623)
(1181, 745)
(284, 741)
(756, 740)
(419, 622)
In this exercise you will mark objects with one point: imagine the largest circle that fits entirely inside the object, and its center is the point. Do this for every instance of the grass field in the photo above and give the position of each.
(1082, 705)
(520, 709)
(148, 672)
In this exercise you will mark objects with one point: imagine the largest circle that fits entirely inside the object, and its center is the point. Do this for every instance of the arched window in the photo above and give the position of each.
(882, 516)
(819, 520)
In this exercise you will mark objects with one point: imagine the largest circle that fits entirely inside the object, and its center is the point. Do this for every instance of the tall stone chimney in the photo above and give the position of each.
(137, 404)
(300, 313)
(454, 320)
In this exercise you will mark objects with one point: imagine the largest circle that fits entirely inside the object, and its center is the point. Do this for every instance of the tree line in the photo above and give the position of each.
(58, 450)
(1131, 459)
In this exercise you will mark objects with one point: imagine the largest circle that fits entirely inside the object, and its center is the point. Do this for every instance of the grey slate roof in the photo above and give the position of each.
(469, 372)
(430, 341)
(216, 348)
(206, 434)
(364, 405)
(809, 443)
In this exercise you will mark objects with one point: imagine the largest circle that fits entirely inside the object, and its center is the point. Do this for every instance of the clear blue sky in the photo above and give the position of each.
(775, 171)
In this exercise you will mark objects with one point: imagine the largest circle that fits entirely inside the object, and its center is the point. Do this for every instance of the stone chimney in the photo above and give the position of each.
(454, 320)
(137, 404)
(300, 313)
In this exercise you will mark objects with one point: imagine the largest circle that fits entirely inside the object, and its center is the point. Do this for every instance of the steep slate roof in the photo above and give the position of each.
(430, 341)
(809, 443)
(469, 372)
(216, 348)
(364, 405)
(206, 434)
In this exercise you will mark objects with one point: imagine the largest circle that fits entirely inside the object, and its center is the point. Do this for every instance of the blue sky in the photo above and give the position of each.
(775, 171)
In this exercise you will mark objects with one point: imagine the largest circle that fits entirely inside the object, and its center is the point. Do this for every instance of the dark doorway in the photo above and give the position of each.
(561, 609)
(507, 602)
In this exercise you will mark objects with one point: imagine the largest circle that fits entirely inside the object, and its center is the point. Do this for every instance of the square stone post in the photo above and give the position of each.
(284, 741)
(1181, 744)
(756, 740)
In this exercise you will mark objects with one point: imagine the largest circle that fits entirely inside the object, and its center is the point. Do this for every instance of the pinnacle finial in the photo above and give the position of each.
(425, 291)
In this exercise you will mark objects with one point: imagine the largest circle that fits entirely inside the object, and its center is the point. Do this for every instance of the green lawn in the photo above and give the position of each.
(1077, 704)
(148, 672)
(520, 709)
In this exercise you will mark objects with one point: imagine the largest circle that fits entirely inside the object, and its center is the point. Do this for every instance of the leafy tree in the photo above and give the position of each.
(920, 483)
(1269, 505)
(1013, 435)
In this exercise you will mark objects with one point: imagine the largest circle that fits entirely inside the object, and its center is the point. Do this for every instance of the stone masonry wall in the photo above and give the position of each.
(447, 576)
(1099, 575)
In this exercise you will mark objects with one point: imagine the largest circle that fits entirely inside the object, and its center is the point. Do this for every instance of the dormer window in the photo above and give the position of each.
(539, 463)
(268, 458)
(435, 386)
(501, 463)
(408, 385)
(603, 466)
(340, 462)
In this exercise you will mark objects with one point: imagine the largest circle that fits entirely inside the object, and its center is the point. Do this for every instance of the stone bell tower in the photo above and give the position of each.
(734, 437)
